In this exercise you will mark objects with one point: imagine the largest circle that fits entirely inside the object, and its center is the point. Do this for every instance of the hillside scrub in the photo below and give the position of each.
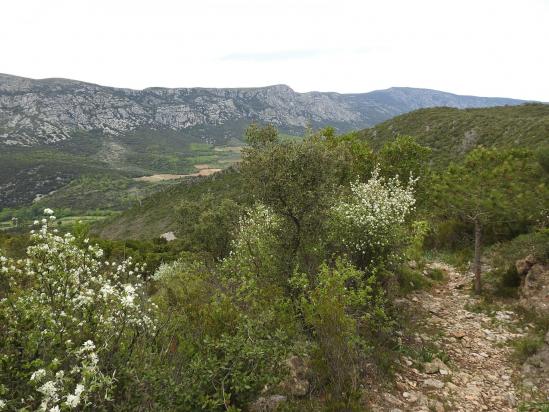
(214, 328)
(291, 258)
(452, 133)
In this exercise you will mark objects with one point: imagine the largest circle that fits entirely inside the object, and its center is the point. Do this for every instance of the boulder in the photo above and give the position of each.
(535, 370)
(435, 405)
(511, 399)
(524, 265)
(411, 397)
(267, 403)
(435, 366)
(534, 290)
(458, 334)
(392, 399)
(297, 383)
(433, 384)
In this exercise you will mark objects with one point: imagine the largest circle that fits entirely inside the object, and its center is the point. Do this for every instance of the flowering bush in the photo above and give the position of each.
(368, 222)
(254, 249)
(67, 320)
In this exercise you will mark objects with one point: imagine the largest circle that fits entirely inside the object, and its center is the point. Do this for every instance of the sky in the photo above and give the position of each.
(478, 47)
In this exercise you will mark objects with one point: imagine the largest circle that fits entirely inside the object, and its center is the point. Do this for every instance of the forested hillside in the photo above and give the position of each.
(452, 132)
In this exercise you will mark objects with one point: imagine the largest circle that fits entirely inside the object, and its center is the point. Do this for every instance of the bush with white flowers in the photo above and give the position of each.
(254, 247)
(369, 221)
(67, 320)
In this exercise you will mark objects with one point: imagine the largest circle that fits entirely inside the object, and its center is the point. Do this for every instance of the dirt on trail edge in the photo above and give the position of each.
(478, 373)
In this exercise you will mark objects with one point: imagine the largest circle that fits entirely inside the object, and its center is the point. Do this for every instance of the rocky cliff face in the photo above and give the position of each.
(46, 111)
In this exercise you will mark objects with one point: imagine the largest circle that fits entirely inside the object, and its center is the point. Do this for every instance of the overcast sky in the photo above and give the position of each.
(479, 47)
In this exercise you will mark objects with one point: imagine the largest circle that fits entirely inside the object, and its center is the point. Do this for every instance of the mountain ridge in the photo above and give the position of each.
(46, 111)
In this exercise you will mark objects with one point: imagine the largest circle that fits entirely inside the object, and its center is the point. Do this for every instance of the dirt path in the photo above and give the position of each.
(478, 375)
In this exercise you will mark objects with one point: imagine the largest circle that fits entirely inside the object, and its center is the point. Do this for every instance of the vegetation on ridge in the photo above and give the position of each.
(452, 133)
(283, 278)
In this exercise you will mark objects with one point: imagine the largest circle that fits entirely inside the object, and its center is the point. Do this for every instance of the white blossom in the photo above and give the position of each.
(368, 220)
(38, 375)
(73, 290)
(73, 400)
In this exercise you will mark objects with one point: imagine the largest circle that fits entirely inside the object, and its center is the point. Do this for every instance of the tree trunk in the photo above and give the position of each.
(478, 253)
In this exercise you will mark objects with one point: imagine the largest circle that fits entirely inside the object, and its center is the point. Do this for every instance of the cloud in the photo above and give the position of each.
(277, 55)
(489, 47)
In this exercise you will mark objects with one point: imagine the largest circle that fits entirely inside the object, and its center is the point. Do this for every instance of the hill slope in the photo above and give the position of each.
(453, 132)
(51, 110)
(450, 132)
(158, 213)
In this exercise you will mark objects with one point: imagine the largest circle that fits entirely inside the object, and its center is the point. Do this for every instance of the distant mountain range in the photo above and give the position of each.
(37, 112)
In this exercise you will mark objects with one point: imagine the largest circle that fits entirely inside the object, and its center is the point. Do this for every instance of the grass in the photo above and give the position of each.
(435, 274)
(410, 280)
(425, 351)
(6, 226)
(485, 305)
(71, 220)
(429, 353)
(525, 347)
(458, 258)
(534, 406)
(200, 147)
(66, 219)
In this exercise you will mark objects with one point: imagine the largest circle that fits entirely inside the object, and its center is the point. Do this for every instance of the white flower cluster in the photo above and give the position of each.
(56, 391)
(369, 219)
(253, 227)
(252, 247)
(63, 301)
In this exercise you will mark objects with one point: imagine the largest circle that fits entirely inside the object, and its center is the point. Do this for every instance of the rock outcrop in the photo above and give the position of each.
(523, 265)
(297, 383)
(534, 288)
(51, 110)
(267, 403)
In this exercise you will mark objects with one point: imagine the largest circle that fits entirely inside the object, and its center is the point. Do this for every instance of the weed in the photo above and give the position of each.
(526, 347)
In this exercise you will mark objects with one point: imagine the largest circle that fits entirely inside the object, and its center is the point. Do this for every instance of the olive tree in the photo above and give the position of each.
(296, 180)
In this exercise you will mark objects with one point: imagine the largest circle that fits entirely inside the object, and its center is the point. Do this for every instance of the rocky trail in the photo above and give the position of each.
(476, 372)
